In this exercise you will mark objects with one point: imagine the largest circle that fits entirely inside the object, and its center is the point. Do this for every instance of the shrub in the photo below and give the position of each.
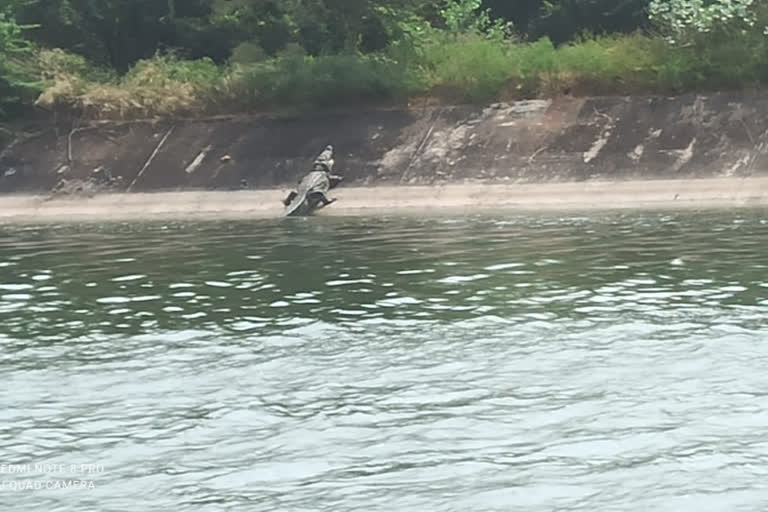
(467, 67)
(160, 86)
(456, 65)
(298, 80)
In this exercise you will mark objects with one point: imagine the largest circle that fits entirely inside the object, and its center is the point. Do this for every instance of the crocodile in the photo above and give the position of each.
(310, 194)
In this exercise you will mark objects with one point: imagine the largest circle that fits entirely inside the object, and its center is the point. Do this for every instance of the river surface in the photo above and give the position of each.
(610, 362)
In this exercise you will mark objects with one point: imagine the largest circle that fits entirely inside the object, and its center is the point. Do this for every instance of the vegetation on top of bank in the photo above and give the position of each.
(144, 58)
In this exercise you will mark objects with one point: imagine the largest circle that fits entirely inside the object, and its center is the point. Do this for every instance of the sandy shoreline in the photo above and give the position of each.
(591, 196)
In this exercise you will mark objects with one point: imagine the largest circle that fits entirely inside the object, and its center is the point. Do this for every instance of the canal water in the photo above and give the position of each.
(612, 362)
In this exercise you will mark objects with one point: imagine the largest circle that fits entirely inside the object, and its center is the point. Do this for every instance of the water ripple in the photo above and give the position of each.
(611, 362)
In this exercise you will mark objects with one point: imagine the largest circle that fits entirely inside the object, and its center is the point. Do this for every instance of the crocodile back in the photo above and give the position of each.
(315, 181)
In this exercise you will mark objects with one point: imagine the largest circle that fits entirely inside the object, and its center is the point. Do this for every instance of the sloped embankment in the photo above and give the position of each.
(562, 140)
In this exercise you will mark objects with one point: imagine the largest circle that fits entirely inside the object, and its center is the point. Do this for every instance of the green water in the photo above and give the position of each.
(581, 363)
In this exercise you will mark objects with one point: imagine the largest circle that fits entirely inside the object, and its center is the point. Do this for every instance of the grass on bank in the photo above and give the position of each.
(451, 68)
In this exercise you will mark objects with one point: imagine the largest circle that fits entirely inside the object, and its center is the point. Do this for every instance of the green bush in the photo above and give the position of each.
(167, 69)
(467, 67)
(297, 80)
(161, 86)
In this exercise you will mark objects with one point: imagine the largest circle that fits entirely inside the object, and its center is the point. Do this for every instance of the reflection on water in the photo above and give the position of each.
(610, 362)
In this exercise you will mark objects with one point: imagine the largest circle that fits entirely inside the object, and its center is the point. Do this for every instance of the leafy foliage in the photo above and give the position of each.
(15, 83)
(563, 20)
(137, 58)
(462, 16)
(685, 21)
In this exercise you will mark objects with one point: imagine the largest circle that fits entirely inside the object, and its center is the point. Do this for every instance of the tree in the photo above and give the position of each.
(14, 51)
(685, 20)
(521, 13)
(318, 26)
(117, 33)
(562, 20)
(468, 16)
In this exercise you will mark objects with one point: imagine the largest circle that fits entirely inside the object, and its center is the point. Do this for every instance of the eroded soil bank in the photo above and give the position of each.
(542, 141)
